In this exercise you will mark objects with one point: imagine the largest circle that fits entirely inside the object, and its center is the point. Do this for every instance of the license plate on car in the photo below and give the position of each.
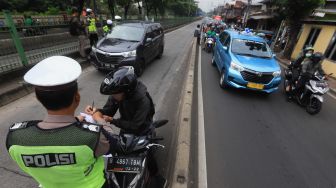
(255, 85)
(124, 164)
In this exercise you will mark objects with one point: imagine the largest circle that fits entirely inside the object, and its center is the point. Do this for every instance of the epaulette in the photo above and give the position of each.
(90, 126)
(22, 125)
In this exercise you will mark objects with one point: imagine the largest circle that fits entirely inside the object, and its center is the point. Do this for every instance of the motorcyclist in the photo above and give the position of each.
(310, 65)
(132, 99)
(295, 66)
(60, 151)
(307, 52)
(135, 106)
(211, 32)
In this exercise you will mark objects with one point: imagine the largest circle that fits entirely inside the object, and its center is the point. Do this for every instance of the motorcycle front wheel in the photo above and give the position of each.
(314, 106)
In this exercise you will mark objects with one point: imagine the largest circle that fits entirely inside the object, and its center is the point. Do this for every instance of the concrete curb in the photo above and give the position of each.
(181, 169)
(331, 91)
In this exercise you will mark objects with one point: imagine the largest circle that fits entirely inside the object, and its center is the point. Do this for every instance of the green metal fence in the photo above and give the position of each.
(21, 47)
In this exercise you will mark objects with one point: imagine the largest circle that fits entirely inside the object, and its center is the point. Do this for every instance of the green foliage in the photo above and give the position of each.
(297, 9)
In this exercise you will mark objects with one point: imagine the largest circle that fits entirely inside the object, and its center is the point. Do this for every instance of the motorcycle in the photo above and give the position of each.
(312, 96)
(128, 167)
(209, 44)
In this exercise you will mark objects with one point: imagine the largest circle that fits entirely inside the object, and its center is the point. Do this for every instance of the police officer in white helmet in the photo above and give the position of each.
(60, 150)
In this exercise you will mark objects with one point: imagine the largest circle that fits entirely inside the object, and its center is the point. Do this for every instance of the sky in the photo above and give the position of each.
(207, 5)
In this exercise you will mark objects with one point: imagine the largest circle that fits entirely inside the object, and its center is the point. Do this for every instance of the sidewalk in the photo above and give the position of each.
(331, 81)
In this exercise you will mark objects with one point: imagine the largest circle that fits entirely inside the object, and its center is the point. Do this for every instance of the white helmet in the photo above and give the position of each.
(88, 10)
(109, 22)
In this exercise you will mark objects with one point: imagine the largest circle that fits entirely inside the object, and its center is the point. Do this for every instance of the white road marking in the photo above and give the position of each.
(331, 95)
(202, 169)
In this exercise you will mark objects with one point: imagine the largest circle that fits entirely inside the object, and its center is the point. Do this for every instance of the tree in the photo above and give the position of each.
(126, 5)
(294, 12)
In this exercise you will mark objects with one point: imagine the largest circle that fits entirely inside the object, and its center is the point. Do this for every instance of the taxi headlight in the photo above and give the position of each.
(277, 73)
(236, 67)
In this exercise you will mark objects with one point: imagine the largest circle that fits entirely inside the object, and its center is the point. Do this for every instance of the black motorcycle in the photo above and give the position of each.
(129, 168)
(312, 96)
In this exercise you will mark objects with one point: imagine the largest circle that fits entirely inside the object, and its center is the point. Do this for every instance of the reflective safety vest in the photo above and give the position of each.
(92, 25)
(62, 157)
(106, 29)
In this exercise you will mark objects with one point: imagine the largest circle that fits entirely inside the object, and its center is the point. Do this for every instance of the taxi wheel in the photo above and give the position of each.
(213, 62)
(222, 80)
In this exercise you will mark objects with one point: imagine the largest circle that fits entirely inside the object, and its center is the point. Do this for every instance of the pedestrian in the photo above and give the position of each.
(92, 28)
(197, 34)
(60, 150)
(77, 28)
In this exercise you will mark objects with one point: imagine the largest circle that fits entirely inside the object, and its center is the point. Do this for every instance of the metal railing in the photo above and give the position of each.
(23, 49)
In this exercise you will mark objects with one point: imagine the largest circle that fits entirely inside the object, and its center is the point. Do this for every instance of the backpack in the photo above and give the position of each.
(74, 30)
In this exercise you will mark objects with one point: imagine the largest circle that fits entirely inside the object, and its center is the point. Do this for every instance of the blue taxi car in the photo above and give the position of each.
(246, 61)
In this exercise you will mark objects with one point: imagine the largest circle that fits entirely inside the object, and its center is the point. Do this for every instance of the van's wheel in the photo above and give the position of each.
(140, 66)
(222, 80)
(161, 52)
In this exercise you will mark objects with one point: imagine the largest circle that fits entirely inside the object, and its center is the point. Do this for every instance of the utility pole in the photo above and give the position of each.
(247, 12)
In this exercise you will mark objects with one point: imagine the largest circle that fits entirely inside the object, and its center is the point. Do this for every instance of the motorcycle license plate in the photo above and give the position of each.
(109, 65)
(124, 164)
(255, 85)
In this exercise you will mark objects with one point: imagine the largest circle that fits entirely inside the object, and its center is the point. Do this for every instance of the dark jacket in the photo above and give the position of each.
(136, 110)
(309, 68)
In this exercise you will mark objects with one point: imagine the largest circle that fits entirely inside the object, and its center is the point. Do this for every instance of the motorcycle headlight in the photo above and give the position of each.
(277, 73)
(236, 67)
(129, 54)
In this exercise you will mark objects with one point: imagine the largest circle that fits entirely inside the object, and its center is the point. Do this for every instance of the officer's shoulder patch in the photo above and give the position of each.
(22, 125)
(91, 127)
(19, 125)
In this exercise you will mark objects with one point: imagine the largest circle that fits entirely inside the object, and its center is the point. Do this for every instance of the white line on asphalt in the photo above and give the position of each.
(331, 95)
(202, 169)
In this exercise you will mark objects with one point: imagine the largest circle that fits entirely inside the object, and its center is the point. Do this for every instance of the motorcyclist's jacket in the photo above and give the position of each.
(136, 111)
(60, 157)
(211, 33)
(309, 67)
(299, 60)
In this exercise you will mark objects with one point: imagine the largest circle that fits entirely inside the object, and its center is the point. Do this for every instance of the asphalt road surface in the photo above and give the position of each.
(258, 141)
(163, 77)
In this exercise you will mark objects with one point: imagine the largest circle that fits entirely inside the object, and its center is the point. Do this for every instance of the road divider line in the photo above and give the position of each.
(181, 168)
(202, 167)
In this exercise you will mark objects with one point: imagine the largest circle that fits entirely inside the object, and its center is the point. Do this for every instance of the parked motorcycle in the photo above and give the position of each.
(312, 96)
(129, 168)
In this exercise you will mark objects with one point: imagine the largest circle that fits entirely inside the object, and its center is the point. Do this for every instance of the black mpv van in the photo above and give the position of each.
(129, 44)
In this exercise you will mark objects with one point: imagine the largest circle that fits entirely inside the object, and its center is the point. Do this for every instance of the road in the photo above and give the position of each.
(255, 140)
(163, 77)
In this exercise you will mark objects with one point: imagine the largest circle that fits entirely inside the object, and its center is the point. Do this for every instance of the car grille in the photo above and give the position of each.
(109, 59)
(263, 78)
